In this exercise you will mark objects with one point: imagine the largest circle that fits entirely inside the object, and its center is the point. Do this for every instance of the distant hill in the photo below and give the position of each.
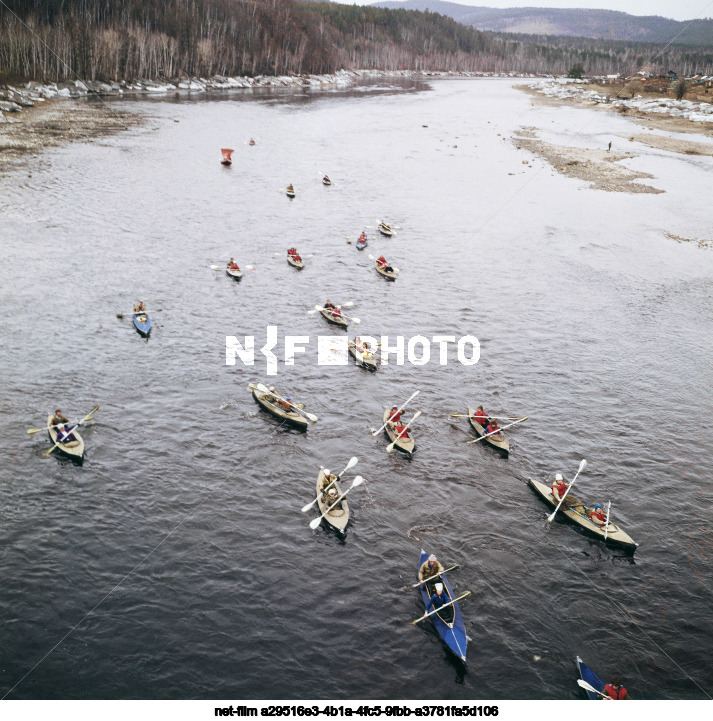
(602, 24)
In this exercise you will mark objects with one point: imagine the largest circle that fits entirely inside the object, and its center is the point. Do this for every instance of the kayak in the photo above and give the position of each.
(448, 621)
(499, 441)
(338, 518)
(361, 244)
(227, 153)
(142, 323)
(591, 678)
(326, 181)
(390, 275)
(295, 263)
(368, 362)
(291, 417)
(385, 229)
(73, 449)
(234, 274)
(578, 513)
(290, 193)
(407, 445)
(342, 322)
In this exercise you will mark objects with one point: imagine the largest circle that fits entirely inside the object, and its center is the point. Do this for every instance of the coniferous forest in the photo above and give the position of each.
(125, 39)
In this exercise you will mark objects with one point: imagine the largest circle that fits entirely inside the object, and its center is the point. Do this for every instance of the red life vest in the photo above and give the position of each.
(481, 417)
(600, 515)
(396, 417)
(561, 487)
(492, 428)
(617, 694)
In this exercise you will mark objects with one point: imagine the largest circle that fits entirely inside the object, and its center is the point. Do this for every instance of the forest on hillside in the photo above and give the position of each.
(127, 39)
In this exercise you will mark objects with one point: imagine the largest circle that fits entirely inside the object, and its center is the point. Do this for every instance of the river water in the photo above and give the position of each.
(175, 563)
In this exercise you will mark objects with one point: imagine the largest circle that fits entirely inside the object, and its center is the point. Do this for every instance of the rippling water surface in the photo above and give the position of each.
(179, 548)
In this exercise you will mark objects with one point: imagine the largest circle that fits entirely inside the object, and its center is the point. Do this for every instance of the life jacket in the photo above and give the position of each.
(493, 428)
(599, 514)
(481, 416)
(561, 487)
(617, 694)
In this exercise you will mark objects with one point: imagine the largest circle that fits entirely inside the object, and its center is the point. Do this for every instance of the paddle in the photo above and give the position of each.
(493, 433)
(411, 397)
(139, 312)
(356, 482)
(450, 603)
(496, 418)
(86, 418)
(352, 462)
(589, 687)
(264, 389)
(582, 466)
(430, 578)
(32, 431)
(606, 529)
(400, 437)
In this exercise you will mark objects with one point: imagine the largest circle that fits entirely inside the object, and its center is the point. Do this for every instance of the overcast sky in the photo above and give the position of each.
(676, 9)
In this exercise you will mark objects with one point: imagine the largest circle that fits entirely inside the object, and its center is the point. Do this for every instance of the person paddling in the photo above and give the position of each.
(395, 415)
(598, 515)
(362, 237)
(284, 405)
(492, 428)
(401, 430)
(233, 265)
(63, 427)
(481, 416)
(430, 569)
(140, 307)
(615, 690)
(559, 487)
(437, 600)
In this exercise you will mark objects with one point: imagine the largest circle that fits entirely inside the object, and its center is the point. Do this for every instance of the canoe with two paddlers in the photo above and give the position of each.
(142, 323)
(405, 444)
(73, 448)
(387, 271)
(337, 319)
(448, 621)
(295, 260)
(385, 229)
(290, 192)
(337, 517)
(363, 356)
(268, 402)
(579, 514)
(227, 153)
(499, 440)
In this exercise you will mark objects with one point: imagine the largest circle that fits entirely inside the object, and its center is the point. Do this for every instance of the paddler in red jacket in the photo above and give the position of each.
(615, 690)
(598, 515)
(395, 414)
(481, 416)
(559, 487)
(400, 429)
(492, 427)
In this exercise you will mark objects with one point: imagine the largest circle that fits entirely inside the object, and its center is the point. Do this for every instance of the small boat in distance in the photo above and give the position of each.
(385, 229)
(294, 259)
(142, 322)
(233, 270)
(326, 180)
(252, 142)
(73, 449)
(227, 153)
(362, 241)
(290, 192)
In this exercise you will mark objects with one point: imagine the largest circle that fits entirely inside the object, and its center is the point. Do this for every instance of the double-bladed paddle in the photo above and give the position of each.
(352, 462)
(496, 418)
(400, 437)
(450, 603)
(393, 267)
(493, 433)
(411, 397)
(356, 482)
(32, 431)
(588, 687)
(328, 310)
(139, 312)
(582, 466)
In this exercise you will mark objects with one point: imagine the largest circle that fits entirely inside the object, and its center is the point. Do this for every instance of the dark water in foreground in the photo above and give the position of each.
(179, 548)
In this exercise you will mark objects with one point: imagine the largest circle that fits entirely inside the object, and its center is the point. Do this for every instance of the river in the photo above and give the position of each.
(175, 563)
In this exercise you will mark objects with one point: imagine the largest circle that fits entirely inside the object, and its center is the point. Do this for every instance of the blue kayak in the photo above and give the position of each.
(591, 678)
(361, 246)
(448, 621)
(142, 323)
